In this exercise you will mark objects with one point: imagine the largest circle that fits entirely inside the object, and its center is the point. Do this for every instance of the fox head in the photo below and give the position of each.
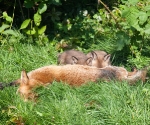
(25, 88)
(83, 61)
(100, 59)
(74, 57)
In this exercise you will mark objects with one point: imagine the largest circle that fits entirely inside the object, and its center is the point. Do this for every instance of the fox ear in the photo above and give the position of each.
(74, 59)
(94, 55)
(107, 58)
(24, 77)
(89, 61)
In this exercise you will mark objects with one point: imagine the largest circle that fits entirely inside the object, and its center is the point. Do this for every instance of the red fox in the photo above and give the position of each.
(100, 59)
(74, 75)
(74, 57)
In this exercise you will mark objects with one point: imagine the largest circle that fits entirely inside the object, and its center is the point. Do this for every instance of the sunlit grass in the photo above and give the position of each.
(101, 103)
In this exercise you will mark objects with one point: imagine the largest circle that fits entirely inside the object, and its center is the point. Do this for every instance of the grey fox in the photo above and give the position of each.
(100, 59)
(74, 57)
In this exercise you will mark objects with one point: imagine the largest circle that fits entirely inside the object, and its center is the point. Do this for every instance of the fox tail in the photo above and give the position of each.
(13, 83)
(140, 75)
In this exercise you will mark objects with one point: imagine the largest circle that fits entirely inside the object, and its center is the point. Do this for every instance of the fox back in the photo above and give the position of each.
(100, 59)
(74, 57)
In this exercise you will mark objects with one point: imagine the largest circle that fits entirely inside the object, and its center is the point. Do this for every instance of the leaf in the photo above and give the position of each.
(25, 24)
(131, 15)
(5, 14)
(9, 19)
(37, 19)
(42, 30)
(30, 32)
(147, 29)
(137, 26)
(122, 40)
(28, 3)
(42, 8)
(142, 17)
(3, 27)
(148, 13)
(125, 12)
(120, 45)
(147, 8)
(10, 32)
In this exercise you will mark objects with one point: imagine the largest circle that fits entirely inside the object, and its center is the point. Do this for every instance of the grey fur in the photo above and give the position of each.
(74, 57)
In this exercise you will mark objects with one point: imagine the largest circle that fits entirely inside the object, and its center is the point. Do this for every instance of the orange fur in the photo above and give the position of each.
(75, 75)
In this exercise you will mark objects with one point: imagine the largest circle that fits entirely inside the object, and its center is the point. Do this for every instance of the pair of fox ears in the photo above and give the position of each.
(24, 77)
(94, 56)
(106, 57)
(75, 60)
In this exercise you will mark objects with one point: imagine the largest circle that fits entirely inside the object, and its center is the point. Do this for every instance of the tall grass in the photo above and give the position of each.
(24, 56)
(102, 103)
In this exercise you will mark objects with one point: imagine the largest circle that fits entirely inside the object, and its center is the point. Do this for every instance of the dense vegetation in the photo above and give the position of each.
(121, 27)
(33, 32)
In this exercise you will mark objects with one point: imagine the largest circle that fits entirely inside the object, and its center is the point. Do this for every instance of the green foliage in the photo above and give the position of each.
(31, 28)
(5, 28)
(137, 17)
(55, 15)
(86, 32)
(136, 26)
(119, 27)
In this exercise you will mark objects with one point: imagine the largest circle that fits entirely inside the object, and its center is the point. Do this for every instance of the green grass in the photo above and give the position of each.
(112, 103)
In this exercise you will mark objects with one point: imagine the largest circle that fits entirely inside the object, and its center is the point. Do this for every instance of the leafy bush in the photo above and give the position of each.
(120, 28)
(136, 25)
